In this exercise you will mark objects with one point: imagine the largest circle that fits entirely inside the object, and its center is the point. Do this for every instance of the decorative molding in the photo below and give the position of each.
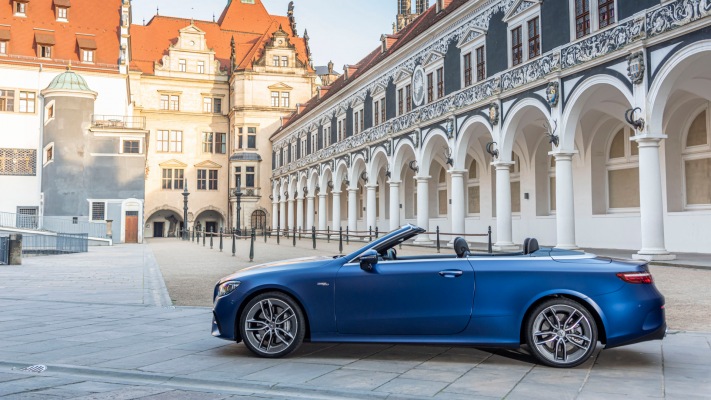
(602, 43)
(553, 93)
(676, 14)
(635, 67)
(494, 114)
(530, 72)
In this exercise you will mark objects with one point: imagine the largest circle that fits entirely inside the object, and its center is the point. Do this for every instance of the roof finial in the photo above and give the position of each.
(157, 10)
(213, 17)
(69, 66)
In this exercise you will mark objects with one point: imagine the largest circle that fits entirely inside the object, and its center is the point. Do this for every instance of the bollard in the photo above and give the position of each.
(198, 238)
(370, 233)
(15, 249)
(234, 243)
(340, 240)
(376, 232)
(348, 241)
(490, 248)
(437, 238)
(265, 235)
(300, 229)
(286, 232)
(328, 234)
(204, 236)
(221, 229)
(212, 234)
(278, 231)
(313, 236)
(294, 237)
(251, 247)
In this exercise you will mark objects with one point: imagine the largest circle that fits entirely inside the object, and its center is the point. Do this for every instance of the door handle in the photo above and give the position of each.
(451, 273)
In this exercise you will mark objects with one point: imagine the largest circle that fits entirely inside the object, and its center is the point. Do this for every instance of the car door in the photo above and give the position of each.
(405, 297)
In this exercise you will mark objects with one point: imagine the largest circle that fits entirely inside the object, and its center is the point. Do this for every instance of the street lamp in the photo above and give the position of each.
(185, 209)
(238, 194)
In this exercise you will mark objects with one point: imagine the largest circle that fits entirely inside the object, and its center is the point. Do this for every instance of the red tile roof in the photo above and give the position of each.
(250, 25)
(405, 36)
(102, 19)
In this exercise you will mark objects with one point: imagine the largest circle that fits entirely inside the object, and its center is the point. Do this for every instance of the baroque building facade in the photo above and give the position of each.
(212, 93)
(582, 123)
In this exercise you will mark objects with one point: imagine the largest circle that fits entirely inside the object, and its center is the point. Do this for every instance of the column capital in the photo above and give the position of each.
(371, 187)
(458, 172)
(422, 178)
(310, 197)
(502, 164)
(563, 155)
(323, 195)
(394, 183)
(336, 193)
(352, 189)
(648, 139)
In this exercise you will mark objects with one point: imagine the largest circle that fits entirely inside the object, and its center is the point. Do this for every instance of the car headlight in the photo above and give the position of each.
(227, 288)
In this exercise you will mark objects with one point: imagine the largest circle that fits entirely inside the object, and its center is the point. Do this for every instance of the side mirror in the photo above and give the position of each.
(368, 260)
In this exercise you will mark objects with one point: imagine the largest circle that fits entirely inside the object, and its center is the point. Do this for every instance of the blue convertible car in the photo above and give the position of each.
(557, 303)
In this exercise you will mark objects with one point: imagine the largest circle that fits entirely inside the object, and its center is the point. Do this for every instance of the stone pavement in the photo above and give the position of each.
(98, 321)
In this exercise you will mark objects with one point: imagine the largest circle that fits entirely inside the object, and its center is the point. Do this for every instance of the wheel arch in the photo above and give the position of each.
(579, 298)
(262, 290)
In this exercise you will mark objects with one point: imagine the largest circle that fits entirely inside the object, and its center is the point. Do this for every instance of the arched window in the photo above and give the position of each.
(259, 219)
(442, 193)
(622, 172)
(515, 183)
(697, 163)
(473, 191)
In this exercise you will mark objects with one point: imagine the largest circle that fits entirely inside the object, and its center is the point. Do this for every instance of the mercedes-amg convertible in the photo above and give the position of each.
(558, 304)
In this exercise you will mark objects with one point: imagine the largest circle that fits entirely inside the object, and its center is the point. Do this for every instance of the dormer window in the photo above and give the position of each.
(3, 47)
(44, 51)
(4, 40)
(87, 56)
(45, 43)
(20, 8)
(62, 13)
(87, 48)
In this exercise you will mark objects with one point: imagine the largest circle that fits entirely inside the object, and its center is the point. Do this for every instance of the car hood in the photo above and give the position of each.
(295, 263)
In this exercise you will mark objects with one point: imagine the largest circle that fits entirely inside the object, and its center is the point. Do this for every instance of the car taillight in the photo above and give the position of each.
(636, 277)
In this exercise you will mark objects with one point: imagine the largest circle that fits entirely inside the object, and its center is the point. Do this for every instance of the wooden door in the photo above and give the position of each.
(131, 227)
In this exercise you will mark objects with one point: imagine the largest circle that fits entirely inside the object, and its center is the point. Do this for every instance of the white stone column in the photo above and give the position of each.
(310, 212)
(458, 213)
(300, 213)
(394, 205)
(370, 208)
(282, 214)
(651, 207)
(336, 211)
(564, 201)
(504, 234)
(275, 214)
(352, 209)
(322, 217)
(423, 207)
(291, 215)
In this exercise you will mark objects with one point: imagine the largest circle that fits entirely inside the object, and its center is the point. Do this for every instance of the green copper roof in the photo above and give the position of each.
(69, 80)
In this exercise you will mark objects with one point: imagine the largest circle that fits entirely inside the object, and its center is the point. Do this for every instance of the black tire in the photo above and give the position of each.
(561, 333)
(272, 325)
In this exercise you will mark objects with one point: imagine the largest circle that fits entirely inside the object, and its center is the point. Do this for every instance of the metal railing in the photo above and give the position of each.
(70, 225)
(117, 122)
(61, 243)
(4, 250)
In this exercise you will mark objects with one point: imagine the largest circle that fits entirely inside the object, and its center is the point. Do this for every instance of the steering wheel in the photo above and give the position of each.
(391, 253)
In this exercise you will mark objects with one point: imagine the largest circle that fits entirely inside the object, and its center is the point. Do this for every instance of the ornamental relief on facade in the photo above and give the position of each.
(530, 72)
(675, 14)
(603, 43)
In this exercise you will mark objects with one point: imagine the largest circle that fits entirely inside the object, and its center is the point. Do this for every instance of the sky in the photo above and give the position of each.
(341, 31)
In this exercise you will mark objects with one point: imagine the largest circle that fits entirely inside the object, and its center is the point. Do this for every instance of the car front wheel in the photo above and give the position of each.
(561, 333)
(272, 325)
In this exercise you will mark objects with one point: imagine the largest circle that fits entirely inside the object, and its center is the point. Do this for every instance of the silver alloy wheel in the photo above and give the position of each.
(562, 334)
(271, 326)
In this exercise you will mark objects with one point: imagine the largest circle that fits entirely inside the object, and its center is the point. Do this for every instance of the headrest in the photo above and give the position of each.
(530, 246)
(461, 247)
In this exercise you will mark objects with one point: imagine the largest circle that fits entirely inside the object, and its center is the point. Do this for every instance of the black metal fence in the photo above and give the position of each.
(4, 250)
(62, 243)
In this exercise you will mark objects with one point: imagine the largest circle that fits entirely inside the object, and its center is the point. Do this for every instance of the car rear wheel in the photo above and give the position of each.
(561, 333)
(272, 325)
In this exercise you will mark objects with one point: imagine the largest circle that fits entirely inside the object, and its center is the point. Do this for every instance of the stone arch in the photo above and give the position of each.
(521, 115)
(472, 132)
(433, 148)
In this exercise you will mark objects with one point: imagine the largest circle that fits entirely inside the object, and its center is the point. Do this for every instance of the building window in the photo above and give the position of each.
(275, 99)
(3, 46)
(212, 105)
(303, 146)
(275, 61)
(173, 178)
(622, 172)
(48, 153)
(207, 179)
(214, 142)
(697, 163)
(131, 147)
(284, 61)
(62, 13)
(175, 103)
(238, 177)
(27, 102)
(440, 82)
(340, 130)
(169, 141)
(473, 189)
(516, 47)
(87, 56)
(98, 211)
(314, 142)
(20, 8)
(285, 99)
(326, 136)
(7, 100)
(430, 87)
(480, 64)
(18, 162)
(170, 102)
(400, 102)
(44, 51)
(606, 12)
(376, 112)
(252, 138)
(582, 18)
(182, 65)
(534, 38)
(201, 67)
(250, 177)
(49, 112)
(467, 69)
(515, 183)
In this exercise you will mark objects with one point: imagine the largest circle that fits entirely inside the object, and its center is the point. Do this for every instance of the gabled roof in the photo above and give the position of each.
(250, 25)
(405, 36)
(98, 20)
